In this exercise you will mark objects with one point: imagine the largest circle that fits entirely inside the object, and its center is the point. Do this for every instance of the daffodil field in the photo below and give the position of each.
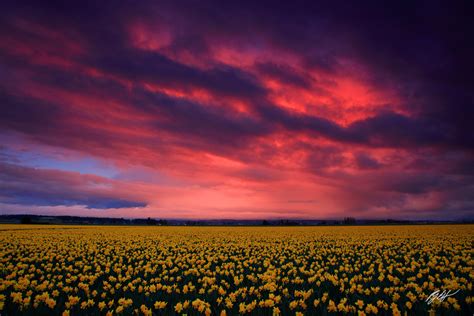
(355, 270)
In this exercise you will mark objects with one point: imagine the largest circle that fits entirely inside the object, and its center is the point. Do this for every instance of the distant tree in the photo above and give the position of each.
(151, 221)
(162, 222)
(26, 220)
(349, 221)
(265, 223)
(287, 223)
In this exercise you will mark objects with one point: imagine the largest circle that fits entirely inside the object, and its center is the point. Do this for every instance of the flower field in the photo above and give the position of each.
(383, 270)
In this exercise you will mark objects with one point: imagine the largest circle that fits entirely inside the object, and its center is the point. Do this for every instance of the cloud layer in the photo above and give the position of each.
(237, 109)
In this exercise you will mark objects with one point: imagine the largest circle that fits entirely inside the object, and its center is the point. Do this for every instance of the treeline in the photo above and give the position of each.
(345, 221)
(78, 220)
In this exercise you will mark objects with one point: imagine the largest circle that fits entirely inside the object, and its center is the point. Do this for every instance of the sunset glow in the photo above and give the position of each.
(235, 111)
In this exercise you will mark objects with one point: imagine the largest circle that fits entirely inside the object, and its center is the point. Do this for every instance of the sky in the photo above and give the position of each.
(237, 109)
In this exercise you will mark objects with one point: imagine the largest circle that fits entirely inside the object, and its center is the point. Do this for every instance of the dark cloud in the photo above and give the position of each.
(321, 158)
(414, 183)
(41, 187)
(396, 130)
(151, 67)
(27, 114)
(213, 124)
(365, 161)
(386, 129)
(284, 74)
